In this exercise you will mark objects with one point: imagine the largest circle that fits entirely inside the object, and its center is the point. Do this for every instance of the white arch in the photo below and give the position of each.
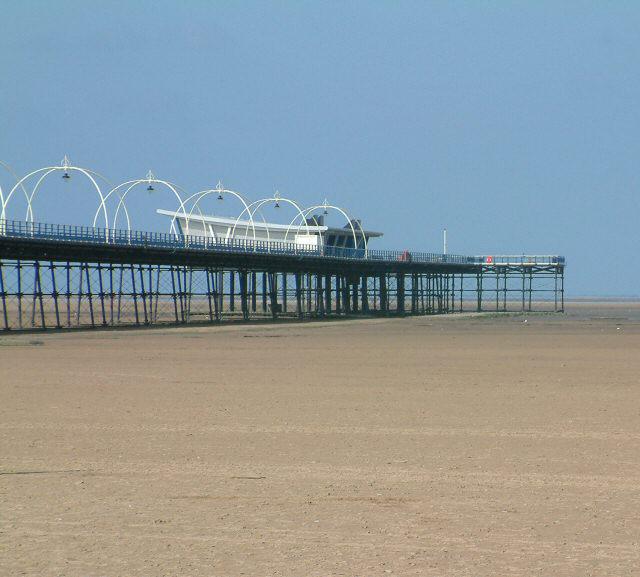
(46, 171)
(13, 173)
(131, 184)
(115, 220)
(89, 173)
(204, 193)
(350, 220)
(33, 192)
(257, 204)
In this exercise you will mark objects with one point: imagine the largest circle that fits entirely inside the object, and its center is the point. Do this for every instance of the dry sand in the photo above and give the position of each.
(433, 446)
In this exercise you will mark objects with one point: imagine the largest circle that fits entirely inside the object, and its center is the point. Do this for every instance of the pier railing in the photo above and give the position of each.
(122, 237)
(517, 259)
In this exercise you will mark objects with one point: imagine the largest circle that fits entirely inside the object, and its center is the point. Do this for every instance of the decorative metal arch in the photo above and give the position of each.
(130, 185)
(13, 173)
(46, 171)
(219, 190)
(258, 204)
(326, 207)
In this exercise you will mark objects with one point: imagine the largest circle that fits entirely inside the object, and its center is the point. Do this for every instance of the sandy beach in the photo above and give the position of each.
(434, 446)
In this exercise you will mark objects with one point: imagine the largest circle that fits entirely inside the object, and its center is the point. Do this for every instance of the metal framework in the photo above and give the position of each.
(325, 208)
(42, 174)
(220, 191)
(45, 294)
(61, 276)
(257, 205)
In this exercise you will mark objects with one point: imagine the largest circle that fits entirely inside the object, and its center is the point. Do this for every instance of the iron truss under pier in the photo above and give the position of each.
(54, 276)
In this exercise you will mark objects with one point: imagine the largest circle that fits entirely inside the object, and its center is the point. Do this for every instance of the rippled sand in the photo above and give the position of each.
(433, 446)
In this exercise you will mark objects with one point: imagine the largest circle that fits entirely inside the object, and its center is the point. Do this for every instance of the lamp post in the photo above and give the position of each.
(65, 166)
(150, 179)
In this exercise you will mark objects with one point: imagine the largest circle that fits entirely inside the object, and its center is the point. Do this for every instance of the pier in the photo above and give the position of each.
(55, 276)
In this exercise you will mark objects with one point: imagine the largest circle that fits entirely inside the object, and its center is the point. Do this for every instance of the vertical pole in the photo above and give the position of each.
(479, 278)
(68, 293)
(220, 290)
(244, 301)
(254, 292)
(150, 292)
(216, 297)
(184, 291)
(4, 299)
(264, 292)
(504, 294)
(120, 283)
(364, 294)
(79, 295)
(319, 296)
(400, 292)
(174, 294)
(143, 294)
(157, 295)
(327, 294)
(19, 293)
(90, 295)
(355, 306)
(101, 294)
(444, 292)
(180, 292)
(338, 295)
(273, 295)
(208, 275)
(274, 289)
(453, 293)
(39, 293)
(189, 291)
(284, 292)
(375, 295)
(34, 293)
(299, 294)
(427, 290)
(232, 291)
(111, 293)
(384, 297)
(346, 297)
(414, 293)
(135, 295)
(434, 293)
(54, 294)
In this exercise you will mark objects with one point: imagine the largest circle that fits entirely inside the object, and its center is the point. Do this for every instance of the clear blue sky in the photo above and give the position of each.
(513, 124)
